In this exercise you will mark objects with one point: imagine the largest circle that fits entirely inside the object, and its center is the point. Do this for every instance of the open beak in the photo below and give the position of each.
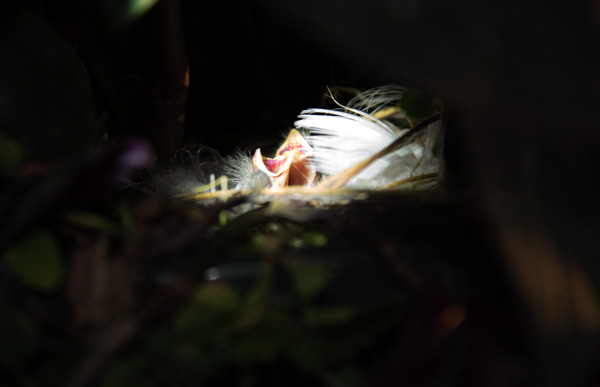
(291, 165)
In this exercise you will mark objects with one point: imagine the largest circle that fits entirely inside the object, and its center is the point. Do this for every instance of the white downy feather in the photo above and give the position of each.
(238, 169)
(373, 100)
(341, 139)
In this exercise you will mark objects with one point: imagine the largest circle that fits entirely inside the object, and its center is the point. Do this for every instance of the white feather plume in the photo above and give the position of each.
(343, 138)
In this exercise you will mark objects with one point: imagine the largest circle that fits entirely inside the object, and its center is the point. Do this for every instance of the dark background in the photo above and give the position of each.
(520, 82)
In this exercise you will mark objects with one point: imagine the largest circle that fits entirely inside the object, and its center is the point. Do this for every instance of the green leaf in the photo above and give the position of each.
(126, 217)
(258, 242)
(218, 296)
(307, 354)
(11, 154)
(312, 238)
(36, 260)
(308, 278)
(18, 336)
(46, 101)
(330, 316)
(416, 104)
(222, 218)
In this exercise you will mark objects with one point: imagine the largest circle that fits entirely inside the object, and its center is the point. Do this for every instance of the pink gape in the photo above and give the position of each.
(291, 165)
